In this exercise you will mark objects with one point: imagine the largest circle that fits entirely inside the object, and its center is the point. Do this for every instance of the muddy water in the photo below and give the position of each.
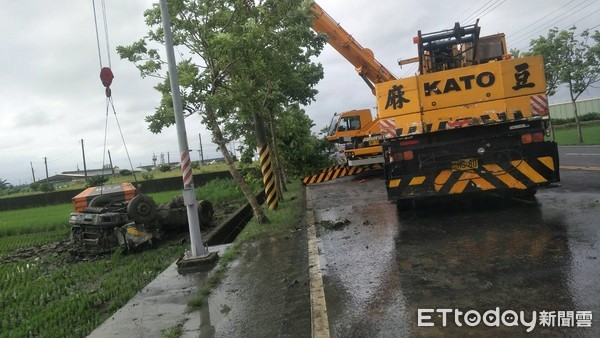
(469, 254)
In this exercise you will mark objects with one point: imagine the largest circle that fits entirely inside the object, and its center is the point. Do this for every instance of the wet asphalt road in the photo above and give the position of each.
(484, 254)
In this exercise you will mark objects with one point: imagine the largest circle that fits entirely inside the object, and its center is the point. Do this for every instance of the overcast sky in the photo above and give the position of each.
(51, 96)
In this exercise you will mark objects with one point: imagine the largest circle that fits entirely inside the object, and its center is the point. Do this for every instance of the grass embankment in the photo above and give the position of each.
(54, 295)
(568, 136)
(285, 219)
(117, 178)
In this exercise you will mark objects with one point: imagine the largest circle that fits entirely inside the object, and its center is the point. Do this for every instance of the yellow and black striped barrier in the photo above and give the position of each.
(339, 171)
(518, 174)
(268, 177)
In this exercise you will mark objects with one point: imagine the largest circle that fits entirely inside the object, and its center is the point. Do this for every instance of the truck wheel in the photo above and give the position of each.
(100, 201)
(205, 212)
(141, 209)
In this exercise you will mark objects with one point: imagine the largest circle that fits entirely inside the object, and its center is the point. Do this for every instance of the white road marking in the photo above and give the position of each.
(582, 154)
(572, 167)
(318, 305)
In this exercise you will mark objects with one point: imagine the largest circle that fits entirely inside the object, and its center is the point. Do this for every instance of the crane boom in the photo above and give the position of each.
(361, 58)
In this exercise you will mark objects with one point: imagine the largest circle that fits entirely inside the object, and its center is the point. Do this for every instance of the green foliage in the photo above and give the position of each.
(97, 181)
(41, 186)
(148, 176)
(173, 332)
(164, 168)
(570, 60)
(301, 151)
(4, 185)
(583, 118)
(222, 191)
(243, 58)
(125, 172)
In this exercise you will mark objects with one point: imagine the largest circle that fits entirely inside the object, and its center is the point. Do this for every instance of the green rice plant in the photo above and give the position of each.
(41, 299)
(41, 219)
(14, 242)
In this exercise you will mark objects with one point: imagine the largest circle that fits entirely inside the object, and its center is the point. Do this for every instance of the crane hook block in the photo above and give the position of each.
(106, 76)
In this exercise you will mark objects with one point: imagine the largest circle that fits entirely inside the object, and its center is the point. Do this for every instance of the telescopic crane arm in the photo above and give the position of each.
(371, 71)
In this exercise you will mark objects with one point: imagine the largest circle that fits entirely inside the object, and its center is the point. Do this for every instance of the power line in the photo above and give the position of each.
(545, 16)
(485, 11)
(491, 10)
(570, 12)
(474, 13)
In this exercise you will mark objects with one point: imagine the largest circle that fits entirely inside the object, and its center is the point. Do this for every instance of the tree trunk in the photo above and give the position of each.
(246, 190)
(277, 162)
(577, 123)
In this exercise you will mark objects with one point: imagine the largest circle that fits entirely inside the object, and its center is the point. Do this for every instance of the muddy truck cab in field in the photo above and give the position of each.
(113, 216)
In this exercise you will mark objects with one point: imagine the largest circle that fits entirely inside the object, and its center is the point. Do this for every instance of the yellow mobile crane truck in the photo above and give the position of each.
(350, 128)
(474, 119)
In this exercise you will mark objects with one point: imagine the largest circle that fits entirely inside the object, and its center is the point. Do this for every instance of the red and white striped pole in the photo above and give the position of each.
(189, 195)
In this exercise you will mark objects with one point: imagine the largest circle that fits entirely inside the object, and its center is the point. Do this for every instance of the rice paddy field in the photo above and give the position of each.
(45, 291)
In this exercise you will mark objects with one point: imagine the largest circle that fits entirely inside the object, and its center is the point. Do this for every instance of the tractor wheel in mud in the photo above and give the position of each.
(141, 209)
(205, 212)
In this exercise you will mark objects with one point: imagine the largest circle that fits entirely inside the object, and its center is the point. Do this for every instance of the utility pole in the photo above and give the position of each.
(110, 161)
(198, 250)
(154, 159)
(168, 158)
(201, 151)
(32, 172)
(84, 165)
(46, 164)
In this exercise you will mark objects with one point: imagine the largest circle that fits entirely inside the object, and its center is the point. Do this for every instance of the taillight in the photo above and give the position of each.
(409, 143)
(397, 157)
(538, 137)
(402, 156)
(535, 137)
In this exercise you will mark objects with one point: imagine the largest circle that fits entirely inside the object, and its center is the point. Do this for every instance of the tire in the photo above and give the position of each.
(205, 212)
(141, 209)
(100, 201)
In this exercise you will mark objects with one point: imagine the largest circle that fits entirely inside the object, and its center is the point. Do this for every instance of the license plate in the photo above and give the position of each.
(373, 143)
(465, 164)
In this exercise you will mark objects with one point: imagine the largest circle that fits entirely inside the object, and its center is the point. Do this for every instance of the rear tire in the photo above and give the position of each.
(141, 209)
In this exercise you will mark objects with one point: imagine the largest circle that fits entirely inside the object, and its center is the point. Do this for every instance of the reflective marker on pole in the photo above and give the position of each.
(189, 195)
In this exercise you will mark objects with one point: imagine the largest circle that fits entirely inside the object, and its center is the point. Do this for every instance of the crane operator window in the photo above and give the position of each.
(349, 123)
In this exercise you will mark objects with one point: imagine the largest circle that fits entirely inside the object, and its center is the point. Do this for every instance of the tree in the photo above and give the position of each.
(569, 61)
(219, 37)
(302, 152)
(4, 185)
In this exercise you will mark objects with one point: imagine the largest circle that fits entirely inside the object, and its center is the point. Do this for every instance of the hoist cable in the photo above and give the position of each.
(106, 32)
(122, 137)
(106, 82)
(97, 34)
(104, 145)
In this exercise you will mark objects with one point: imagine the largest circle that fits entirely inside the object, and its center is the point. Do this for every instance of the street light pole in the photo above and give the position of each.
(189, 197)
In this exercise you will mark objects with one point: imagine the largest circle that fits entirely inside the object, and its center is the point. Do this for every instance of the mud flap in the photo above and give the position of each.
(523, 175)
